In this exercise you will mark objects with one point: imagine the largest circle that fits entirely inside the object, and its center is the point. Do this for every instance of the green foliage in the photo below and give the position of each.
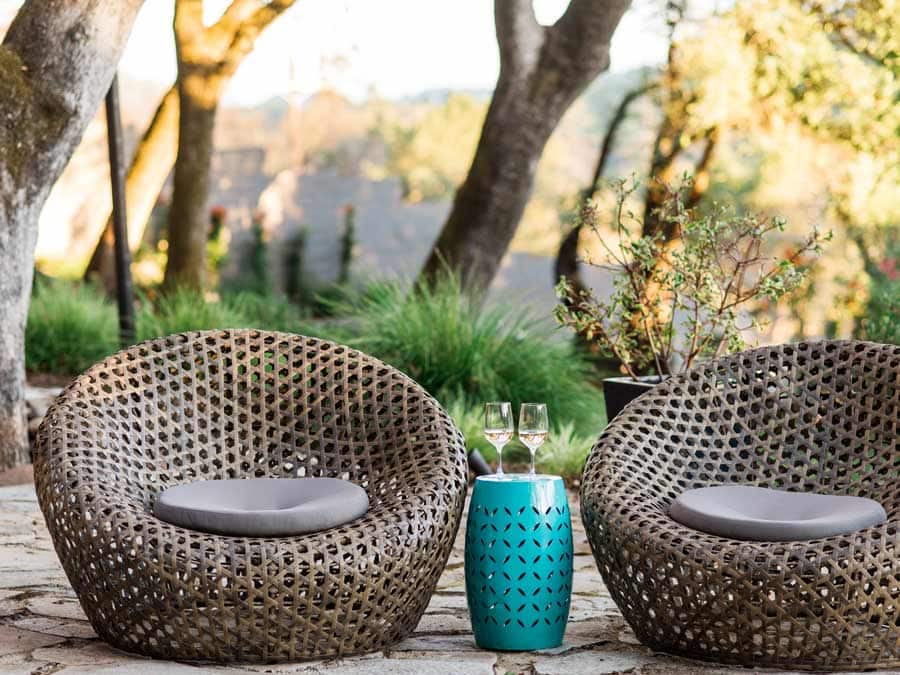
(432, 155)
(257, 278)
(463, 353)
(217, 242)
(348, 242)
(457, 348)
(70, 326)
(296, 282)
(679, 300)
(185, 310)
(563, 454)
(882, 319)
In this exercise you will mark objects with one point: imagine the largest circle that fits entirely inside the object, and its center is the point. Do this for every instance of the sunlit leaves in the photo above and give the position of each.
(693, 297)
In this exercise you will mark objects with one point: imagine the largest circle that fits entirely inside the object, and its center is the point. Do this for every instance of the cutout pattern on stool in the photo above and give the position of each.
(518, 569)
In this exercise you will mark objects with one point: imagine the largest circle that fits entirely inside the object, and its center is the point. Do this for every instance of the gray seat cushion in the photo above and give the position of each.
(761, 514)
(262, 507)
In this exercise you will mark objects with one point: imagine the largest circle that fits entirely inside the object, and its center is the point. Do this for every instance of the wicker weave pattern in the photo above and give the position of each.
(819, 416)
(231, 404)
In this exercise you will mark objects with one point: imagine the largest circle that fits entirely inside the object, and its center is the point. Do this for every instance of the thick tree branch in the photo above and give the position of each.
(235, 14)
(48, 95)
(519, 35)
(535, 88)
(579, 41)
(244, 36)
(189, 28)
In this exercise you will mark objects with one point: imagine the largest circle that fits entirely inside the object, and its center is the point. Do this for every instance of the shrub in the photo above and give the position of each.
(677, 299)
(271, 312)
(882, 320)
(70, 326)
(459, 349)
(185, 310)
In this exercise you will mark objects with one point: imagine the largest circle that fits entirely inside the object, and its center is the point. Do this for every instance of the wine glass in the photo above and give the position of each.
(498, 428)
(533, 427)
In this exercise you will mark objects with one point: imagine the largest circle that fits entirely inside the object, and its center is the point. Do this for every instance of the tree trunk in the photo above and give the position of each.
(208, 56)
(542, 70)
(489, 204)
(150, 166)
(56, 63)
(567, 255)
(190, 191)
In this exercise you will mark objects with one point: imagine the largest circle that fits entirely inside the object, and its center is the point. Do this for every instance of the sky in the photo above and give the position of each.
(397, 48)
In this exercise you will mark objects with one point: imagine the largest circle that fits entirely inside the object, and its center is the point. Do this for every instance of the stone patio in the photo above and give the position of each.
(43, 630)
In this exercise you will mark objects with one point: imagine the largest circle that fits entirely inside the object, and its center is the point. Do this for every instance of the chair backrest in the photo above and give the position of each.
(242, 403)
(814, 416)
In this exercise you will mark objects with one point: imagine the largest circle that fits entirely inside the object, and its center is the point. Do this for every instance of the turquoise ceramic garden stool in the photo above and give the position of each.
(519, 561)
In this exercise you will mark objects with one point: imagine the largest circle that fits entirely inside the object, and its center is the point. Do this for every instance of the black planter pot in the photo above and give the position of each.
(620, 391)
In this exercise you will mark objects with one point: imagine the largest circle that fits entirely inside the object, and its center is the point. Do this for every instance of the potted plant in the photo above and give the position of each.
(690, 290)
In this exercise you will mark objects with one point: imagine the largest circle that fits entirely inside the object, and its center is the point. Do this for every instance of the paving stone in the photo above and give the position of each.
(95, 653)
(51, 626)
(436, 643)
(418, 664)
(19, 663)
(442, 602)
(56, 606)
(18, 493)
(142, 667)
(10, 606)
(443, 624)
(32, 579)
(43, 629)
(593, 661)
(13, 640)
(29, 560)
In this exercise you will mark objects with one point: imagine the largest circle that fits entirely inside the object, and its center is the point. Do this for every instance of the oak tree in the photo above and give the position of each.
(542, 70)
(56, 62)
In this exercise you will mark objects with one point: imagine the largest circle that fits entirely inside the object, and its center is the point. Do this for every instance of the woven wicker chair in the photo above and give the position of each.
(230, 404)
(821, 417)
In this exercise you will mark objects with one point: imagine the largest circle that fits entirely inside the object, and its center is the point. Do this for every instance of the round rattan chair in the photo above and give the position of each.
(819, 416)
(242, 403)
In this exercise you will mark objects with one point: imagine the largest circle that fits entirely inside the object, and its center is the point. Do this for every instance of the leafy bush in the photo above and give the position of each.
(882, 320)
(271, 312)
(677, 298)
(70, 326)
(185, 310)
(459, 349)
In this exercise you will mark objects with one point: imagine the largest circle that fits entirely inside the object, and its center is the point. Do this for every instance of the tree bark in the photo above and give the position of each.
(207, 58)
(542, 70)
(56, 63)
(150, 166)
(188, 223)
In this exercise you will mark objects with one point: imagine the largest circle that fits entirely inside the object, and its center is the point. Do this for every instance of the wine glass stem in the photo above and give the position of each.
(532, 450)
(499, 449)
